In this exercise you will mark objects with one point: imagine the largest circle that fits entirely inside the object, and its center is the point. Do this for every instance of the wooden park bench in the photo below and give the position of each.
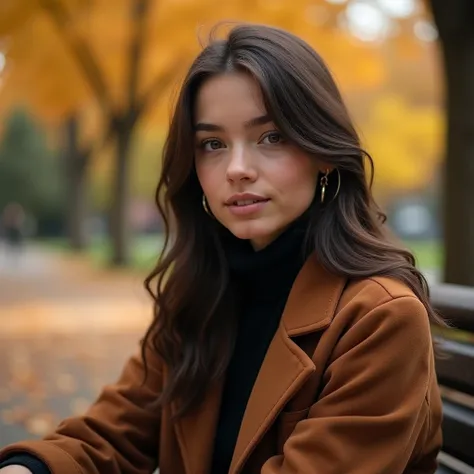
(455, 371)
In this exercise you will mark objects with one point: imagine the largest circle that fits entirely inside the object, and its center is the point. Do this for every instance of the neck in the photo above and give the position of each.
(270, 271)
(260, 244)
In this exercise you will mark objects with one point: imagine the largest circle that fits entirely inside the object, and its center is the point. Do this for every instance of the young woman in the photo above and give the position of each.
(290, 335)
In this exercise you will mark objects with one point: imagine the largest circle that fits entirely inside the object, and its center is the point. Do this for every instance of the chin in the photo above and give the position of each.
(254, 231)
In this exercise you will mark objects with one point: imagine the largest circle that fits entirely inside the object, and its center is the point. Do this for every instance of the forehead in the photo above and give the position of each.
(229, 98)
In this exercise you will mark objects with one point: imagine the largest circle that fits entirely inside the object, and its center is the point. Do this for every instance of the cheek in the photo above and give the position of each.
(298, 179)
(209, 177)
(204, 175)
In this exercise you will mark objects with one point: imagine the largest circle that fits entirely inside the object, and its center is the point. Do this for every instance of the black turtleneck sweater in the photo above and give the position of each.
(264, 279)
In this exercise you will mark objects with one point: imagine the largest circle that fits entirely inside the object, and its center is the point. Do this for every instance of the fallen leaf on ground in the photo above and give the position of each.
(40, 424)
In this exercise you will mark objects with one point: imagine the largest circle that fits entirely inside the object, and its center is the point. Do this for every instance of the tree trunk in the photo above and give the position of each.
(125, 126)
(120, 198)
(454, 20)
(76, 161)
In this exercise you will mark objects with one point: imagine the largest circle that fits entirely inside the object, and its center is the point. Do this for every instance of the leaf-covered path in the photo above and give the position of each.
(65, 331)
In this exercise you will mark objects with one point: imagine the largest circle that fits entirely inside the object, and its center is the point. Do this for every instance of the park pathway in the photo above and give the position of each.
(66, 329)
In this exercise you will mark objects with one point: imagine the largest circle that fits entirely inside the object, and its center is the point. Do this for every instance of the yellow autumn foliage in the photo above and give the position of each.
(405, 143)
(42, 71)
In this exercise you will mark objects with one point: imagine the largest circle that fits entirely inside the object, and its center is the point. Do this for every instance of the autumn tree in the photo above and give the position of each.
(120, 119)
(121, 105)
(22, 35)
(76, 160)
(28, 168)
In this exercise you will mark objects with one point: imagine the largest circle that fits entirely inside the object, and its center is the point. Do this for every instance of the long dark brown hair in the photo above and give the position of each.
(194, 326)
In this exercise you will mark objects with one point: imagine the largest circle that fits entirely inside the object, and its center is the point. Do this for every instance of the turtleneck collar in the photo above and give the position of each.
(270, 272)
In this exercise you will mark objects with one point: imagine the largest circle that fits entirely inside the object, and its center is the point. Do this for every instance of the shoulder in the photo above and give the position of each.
(385, 306)
(322, 299)
(369, 293)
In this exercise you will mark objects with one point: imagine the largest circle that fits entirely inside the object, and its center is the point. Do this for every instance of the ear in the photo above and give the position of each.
(325, 167)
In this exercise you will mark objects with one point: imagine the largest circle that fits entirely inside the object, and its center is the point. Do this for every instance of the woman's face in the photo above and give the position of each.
(256, 183)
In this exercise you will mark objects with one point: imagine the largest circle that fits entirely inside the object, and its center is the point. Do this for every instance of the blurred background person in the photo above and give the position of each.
(13, 230)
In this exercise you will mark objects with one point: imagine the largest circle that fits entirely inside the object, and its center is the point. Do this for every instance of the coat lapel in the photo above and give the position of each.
(310, 307)
(284, 371)
(196, 432)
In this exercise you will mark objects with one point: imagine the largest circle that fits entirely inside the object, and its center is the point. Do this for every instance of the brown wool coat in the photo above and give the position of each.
(348, 386)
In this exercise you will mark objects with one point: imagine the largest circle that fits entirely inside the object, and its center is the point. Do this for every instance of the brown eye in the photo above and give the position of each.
(212, 144)
(272, 138)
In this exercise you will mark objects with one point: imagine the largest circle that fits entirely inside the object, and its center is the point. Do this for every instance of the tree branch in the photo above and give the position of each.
(82, 54)
(161, 82)
(139, 10)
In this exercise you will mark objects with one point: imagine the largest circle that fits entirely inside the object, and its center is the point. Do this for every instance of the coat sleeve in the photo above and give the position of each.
(119, 433)
(372, 411)
(35, 465)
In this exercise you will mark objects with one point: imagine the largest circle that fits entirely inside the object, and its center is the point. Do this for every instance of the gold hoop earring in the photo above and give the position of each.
(205, 206)
(338, 184)
(324, 182)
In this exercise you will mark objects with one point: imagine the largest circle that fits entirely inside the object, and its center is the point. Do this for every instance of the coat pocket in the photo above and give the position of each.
(287, 422)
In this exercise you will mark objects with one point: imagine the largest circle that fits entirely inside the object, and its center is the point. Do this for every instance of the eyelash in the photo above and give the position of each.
(272, 132)
(203, 144)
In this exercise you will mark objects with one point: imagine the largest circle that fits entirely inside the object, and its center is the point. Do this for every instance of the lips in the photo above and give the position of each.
(247, 207)
(245, 199)
(247, 202)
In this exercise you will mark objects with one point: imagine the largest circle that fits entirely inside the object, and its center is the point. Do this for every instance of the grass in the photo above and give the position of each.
(145, 251)
(429, 254)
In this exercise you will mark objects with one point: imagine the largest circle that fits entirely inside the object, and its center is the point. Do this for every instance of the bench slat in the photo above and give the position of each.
(456, 368)
(455, 303)
(458, 431)
(450, 465)
(445, 470)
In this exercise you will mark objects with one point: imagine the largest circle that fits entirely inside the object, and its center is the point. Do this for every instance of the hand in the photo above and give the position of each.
(15, 469)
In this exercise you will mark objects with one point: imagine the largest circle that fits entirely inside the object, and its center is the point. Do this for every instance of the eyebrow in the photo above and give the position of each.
(210, 127)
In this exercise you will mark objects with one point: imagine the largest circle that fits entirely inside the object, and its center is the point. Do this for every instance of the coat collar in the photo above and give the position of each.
(310, 307)
(312, 300)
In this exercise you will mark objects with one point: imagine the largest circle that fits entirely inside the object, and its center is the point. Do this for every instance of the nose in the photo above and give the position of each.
(240, 166)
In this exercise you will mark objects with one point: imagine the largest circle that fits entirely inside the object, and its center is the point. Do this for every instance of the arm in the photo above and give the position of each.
(373, 407)
(119, 433)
